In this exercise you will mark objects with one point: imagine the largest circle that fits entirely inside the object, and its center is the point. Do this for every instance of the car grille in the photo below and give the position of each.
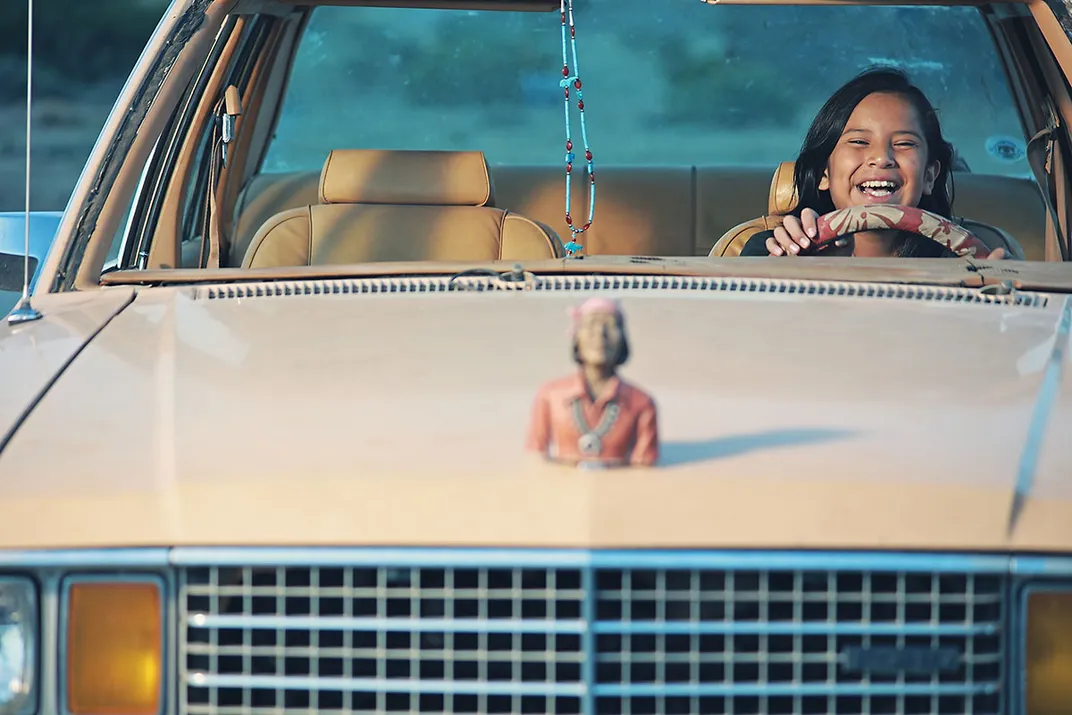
(592, 633)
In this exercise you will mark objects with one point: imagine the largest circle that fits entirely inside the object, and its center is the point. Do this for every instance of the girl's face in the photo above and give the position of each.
(881, 157)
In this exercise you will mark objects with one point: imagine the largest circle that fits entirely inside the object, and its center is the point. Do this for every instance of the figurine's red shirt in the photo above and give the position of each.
(632, 439)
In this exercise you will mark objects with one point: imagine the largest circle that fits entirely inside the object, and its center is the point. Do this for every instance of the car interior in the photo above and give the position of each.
(668, 211)
(207, 197)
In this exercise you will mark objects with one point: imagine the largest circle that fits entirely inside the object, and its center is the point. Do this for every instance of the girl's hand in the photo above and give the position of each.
(796, 234)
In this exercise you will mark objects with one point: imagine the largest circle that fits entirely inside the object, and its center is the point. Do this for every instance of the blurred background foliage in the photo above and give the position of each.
(75, 41)
(83, 52)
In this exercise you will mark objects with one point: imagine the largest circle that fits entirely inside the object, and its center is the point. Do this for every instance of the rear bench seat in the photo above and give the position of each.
(654, 211)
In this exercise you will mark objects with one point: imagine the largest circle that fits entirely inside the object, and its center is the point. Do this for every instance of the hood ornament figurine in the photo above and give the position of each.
(593, 419)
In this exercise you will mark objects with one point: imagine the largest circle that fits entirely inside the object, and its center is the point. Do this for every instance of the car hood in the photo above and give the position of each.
(394, 412)
(32, 354)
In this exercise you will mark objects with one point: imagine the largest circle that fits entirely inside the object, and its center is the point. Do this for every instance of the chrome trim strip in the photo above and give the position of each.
(463, 687)
(1008, 646)
(461, 625)
(591, 558)
(1046, 565)
(182, 643)
(84, 559)
(172, 684)
(1041, 566)
(166, 657)
(589, 647)
(379, 556)
(51, 649)
(412, 625)
(784, 689)
(386, 685)
(789, 628)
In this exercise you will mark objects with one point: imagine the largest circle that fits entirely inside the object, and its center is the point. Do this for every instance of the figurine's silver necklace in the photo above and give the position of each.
(591, 442)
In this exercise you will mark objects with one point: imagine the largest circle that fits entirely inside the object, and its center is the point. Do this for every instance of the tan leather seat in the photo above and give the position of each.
(782, 199)
(379, 205)
(265, 196)
(640, 211)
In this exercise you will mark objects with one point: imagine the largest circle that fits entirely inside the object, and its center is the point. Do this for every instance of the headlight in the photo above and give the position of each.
(1049, 653)
(18, 641)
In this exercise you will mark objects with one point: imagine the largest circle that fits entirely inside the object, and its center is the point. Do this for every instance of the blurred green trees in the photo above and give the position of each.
(75, 42)
(452, 68)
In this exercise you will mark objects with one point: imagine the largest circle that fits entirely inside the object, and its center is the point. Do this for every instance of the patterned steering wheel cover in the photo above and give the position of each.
(903, 218)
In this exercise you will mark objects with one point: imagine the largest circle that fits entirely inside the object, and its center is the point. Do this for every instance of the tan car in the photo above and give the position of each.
(302, 415)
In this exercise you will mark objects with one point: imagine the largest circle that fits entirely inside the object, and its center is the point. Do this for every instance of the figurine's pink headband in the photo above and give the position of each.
(593, 305)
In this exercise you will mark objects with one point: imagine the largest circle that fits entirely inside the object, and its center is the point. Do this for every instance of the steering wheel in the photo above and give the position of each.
(879, 217)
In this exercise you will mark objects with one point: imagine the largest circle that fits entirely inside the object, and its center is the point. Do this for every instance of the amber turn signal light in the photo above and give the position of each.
(1049, 653)
(114, 648)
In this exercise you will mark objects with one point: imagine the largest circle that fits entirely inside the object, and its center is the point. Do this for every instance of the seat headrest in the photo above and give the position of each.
(783, 196)
(424, 178)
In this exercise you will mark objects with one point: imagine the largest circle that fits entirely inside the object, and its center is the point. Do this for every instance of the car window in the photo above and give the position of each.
(688, 83)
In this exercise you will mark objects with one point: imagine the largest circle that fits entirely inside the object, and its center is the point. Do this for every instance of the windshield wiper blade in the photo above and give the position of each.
(517, 275)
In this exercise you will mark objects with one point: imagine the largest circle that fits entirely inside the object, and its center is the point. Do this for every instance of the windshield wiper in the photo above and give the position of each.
(517, 275)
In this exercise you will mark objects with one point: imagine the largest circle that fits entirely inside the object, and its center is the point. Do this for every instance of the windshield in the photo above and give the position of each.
(417, 135)
(697, 84)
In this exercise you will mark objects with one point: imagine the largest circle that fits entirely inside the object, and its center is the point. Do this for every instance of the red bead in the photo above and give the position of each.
(572, 31)
(588, 155)
(565, 70)
(569, 220)
(577, 83)
(580, 105)
(563, 18)
(586, 226)
(569, 145)
(592, 178)
(566, 93)
(569, 168)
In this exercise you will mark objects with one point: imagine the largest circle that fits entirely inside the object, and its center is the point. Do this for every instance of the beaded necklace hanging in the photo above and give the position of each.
(575, 79)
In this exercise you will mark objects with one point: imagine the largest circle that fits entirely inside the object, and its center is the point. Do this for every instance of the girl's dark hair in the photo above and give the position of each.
(829, 123)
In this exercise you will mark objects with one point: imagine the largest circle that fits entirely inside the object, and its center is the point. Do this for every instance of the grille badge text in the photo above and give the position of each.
(892, 660)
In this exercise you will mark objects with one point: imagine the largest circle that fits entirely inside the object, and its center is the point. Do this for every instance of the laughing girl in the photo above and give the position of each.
(877, 140)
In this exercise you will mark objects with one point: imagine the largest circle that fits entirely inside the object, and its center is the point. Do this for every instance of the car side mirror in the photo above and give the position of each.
(43, 227)
(12, 269)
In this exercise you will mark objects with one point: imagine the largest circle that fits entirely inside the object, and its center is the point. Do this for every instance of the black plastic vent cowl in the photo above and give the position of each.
(627, 283)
